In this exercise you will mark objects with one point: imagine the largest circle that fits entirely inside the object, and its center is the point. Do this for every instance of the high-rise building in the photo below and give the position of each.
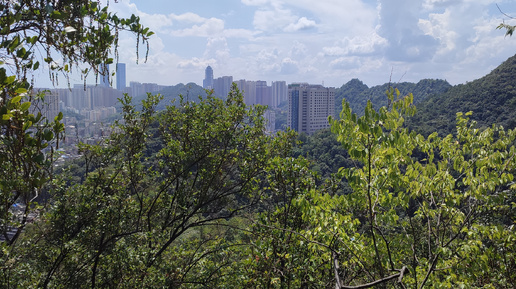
(279, 92)
(309, 107)
(263, 93)
(136, 88)
(120, 76)
(250, 93)
(104, 75)
(222, 85)
(207, 83)
(241, 86)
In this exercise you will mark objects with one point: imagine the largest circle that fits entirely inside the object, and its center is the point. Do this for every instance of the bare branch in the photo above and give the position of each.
(376, 282)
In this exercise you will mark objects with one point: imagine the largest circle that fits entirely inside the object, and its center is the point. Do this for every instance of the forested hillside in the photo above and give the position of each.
(492, 99)
(357, 93)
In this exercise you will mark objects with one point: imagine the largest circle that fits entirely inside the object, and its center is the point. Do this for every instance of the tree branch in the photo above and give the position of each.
(338, 285)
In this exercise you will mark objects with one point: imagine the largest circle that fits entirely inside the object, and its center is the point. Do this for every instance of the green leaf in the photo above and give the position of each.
(27, 125)
(21, 90)
(40, 158)
(48, 135)
(59, 117)
(16, 99)
(25, 106)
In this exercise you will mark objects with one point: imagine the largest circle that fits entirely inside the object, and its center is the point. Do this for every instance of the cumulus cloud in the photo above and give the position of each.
(217, 48)
(289, 66)
(194, 64)
(344, 63)
(359, 45)
(302, 24)
(240, 33)
(271, 20)
(433, 4)
(265, 62)
(255, 2)
(207, 28)
(188, 17)
(298, 50)
(351, 17)
(399, 26)
(438, 26)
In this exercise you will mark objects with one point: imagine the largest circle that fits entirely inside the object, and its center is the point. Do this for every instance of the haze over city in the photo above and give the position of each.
(328, 41)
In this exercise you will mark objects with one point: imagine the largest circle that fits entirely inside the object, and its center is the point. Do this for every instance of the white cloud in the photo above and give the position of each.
(434, 4)
(351, 17)
(271, 20)
(188, 17)
(302, 24)
(208, 28)
(298, 50)
(218, 50)
(194, 64)
(255, 2)
(439, 27)
(344, 63)
(240, 33)
(359, 45)
(289, 66)
(399, 26)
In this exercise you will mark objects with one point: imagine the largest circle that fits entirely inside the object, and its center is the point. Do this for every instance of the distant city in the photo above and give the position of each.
(87, 107)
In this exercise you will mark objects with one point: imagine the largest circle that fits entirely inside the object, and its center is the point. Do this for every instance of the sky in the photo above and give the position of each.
(317, 41)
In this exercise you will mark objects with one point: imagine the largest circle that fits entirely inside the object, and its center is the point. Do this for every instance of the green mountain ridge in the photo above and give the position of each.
(357, 93)
(491, 98)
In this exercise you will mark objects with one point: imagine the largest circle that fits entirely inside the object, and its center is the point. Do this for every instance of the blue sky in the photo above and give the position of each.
(330, 41)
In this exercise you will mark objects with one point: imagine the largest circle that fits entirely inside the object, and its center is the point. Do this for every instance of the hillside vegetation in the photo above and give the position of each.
(357, 93)
(492, 99)
(198, 195)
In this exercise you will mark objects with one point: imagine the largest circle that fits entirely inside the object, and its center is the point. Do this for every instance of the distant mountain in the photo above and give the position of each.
(357, 93)
(171, 94)
(492, 99)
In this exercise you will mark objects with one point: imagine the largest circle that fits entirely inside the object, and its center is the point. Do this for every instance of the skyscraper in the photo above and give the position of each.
(309, 107)
(250, 93)
(207, 83)
(120, 76)
(279, 92)
(222, 85)
(263, 93)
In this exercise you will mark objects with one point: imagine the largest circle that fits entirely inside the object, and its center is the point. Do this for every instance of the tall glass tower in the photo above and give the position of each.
(120, 76)
(207, 83)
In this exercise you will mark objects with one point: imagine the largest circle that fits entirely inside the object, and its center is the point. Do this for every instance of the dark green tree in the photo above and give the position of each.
(154, 214)
(63, 35)
(424, 212)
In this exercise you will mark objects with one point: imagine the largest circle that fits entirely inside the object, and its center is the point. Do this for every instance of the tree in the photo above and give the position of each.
(150, 213)
(68, 33)
(423, 212)
(64, 35)
(432, 217)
